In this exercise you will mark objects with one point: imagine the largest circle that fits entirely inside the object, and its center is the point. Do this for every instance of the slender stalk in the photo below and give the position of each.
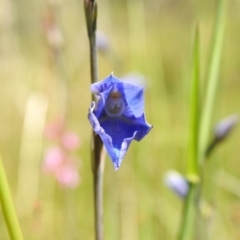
(98, 153)
(192, 161)
(93, 58)
(196, 151)
(212, 77)
(8, 208)
(189, 208)
(189, 212)
(98, 170)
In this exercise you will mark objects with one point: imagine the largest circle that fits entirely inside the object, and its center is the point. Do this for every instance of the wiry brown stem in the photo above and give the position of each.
(98, 158)
(98, 153)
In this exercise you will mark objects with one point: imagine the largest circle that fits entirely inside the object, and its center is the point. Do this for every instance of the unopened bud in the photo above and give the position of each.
(90, 7)
(221, 131)
(224, 127)
(177, 183)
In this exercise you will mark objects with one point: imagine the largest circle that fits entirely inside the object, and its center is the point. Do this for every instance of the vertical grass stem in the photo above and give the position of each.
(212, 77)
(189, 208)
(8, 208)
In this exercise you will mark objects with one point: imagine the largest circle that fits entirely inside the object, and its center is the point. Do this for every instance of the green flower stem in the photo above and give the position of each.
(212, 77)
(189, 213)
(189, 208)
(98, 153)
(197, 149)
(192, 160)
(8, 208)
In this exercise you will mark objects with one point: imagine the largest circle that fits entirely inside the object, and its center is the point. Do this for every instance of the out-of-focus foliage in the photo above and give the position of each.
(44, 73)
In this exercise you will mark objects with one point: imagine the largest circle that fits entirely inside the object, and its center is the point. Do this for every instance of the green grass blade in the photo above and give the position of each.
(192, 161)
(213, 73)
(8, 208)
(189, 213)
(189, 208)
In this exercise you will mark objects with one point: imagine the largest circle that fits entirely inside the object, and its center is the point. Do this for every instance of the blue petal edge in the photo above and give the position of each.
(103, 85)
(115, 154)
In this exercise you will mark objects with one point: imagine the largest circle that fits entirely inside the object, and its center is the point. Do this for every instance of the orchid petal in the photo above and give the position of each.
(119, 116)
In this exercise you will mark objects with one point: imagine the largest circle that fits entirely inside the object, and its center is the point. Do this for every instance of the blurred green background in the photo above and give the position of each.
(44, 67)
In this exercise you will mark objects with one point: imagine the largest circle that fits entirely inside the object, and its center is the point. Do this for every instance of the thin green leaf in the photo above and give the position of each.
(189, 208)
(192, 161)
(213, 75)
(8, 207)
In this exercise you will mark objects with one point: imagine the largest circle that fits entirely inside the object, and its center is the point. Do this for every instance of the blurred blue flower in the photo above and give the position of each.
(221, 132)
(177, 183)
(119, 116)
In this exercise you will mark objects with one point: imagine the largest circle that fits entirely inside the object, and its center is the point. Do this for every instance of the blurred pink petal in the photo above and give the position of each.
(58, 160)
(68, 176)
(54, 130)
(70, 141)
(53, 159)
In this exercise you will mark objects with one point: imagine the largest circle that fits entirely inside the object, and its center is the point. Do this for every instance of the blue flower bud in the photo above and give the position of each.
(177, 183)
(224, 127)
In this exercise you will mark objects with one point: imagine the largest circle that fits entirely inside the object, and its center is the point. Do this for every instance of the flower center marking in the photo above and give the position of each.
(114, 106)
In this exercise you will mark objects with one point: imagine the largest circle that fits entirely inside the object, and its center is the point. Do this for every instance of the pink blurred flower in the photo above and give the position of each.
(53, 159)
(55, 129)
(59, 160)
(70, 141)
(52, 30)
(62, 166)
(68, 176)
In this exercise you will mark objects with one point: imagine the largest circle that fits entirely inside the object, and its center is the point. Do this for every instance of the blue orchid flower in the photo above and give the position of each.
(119, 116)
